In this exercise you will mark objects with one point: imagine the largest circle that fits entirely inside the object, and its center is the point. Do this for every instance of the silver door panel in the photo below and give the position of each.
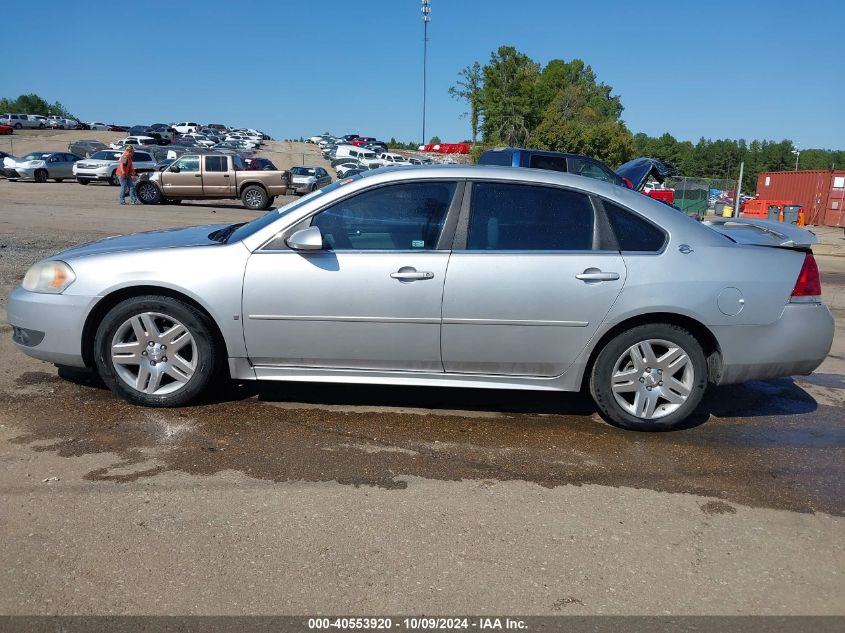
(344, 310)
(524, 313)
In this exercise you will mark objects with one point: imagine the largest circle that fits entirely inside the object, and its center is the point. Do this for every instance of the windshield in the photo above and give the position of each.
(302, 171)
(267, 219)
(103, 155)
(36, 156)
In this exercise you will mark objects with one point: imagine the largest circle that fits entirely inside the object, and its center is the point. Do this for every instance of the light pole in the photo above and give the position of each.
(797, 153)
(426, 18)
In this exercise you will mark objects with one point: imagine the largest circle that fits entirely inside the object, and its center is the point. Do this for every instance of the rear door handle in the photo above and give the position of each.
(197, 175)
(407, 273)
(594, 274)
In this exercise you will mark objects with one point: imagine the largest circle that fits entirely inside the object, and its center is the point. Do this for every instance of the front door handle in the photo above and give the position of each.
(594, 274)
(197, 175)
(408, 273)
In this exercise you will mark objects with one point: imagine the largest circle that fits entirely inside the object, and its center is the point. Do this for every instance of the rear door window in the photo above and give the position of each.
(554, 163)
(523, 217)
(216, 163)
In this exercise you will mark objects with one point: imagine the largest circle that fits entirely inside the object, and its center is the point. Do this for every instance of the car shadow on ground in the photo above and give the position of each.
(749, 400)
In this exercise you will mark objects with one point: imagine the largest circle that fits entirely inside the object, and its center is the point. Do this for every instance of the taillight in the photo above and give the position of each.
(809, 284)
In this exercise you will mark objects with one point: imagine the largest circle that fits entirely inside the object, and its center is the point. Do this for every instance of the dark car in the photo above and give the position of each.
(555, 161)
(258, 164)
(117, 128)
(377, 146)
(85, 147)
(146, 130)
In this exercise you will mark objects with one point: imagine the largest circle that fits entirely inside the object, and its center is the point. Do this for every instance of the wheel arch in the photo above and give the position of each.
(708, 342)
(99, 311)
(249, 183)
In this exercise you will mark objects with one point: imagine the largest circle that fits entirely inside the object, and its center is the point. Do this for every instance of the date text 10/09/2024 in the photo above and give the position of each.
(418, 623)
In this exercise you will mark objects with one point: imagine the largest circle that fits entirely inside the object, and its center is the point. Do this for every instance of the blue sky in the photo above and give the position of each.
(301, 68)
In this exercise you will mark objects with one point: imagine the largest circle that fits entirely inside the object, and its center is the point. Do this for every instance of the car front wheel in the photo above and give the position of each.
(148, 193)
(156, 351)
(649, 378)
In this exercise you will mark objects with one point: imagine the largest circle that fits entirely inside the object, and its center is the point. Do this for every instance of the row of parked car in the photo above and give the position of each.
(352, 154)
(101, 164)
(37, 122)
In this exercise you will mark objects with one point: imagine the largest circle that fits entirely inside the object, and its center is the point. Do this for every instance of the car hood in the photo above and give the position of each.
(639, 170)
(170, 238)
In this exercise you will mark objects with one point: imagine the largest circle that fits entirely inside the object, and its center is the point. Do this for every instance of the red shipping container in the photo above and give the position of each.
(820, 192)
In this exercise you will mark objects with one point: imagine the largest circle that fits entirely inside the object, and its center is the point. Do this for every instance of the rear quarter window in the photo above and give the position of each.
(633, 233)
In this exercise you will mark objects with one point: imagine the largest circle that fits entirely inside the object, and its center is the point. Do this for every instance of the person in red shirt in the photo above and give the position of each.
(126, 175)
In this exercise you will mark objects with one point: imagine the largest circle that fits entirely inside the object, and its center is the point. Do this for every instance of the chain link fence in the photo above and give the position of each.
(697, 196)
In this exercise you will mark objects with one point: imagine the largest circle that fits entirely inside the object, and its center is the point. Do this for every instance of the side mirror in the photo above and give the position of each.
(310, 239)
(175, 169)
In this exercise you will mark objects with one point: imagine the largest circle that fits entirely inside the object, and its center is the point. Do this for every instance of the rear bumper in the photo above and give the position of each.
(795, 344)
(60, 318)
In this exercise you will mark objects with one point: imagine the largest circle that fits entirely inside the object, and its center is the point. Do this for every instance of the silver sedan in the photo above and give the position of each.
(488, 277)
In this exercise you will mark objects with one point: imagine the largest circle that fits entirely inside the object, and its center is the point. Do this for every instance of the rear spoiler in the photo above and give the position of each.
(763, 232)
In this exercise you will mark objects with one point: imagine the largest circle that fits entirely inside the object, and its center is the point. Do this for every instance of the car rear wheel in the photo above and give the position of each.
(18, 126)
(83, 181)
(156, 351)
(254, 197)
(649, 378)
(113, 179)
(148, 193)
(40, 175)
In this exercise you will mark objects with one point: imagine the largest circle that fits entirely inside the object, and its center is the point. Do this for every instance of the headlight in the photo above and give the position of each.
(50, 277)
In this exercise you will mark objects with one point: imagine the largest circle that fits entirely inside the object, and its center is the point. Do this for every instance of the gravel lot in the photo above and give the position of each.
(362, 500)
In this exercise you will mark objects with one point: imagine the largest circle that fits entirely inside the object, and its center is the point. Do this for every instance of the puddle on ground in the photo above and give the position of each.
(766, 444)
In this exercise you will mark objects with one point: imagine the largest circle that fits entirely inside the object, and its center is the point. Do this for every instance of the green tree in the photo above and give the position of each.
(434, 140)
(507, 96)
(468, 88)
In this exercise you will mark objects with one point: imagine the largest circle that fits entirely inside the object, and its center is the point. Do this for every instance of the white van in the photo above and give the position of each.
(364, 156)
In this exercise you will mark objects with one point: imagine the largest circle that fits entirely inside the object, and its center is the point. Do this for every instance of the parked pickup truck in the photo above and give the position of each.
(212, 177)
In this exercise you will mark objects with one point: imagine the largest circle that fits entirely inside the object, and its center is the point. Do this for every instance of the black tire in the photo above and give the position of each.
(606, 364)
(40, 126)
(40, 175)
(83, 181)
(197, 324)
(148, 193)
(255, 197)
(18, 126)
(113, 181)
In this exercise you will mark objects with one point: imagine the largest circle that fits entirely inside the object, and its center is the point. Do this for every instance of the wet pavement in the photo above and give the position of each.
(764, 444)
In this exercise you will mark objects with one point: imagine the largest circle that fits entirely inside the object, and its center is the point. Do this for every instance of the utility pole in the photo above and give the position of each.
(797, 153)
(426, 18)
(738, 190)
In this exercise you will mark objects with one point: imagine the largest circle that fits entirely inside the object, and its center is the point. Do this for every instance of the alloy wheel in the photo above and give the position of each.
(154, 353)
(652, 379)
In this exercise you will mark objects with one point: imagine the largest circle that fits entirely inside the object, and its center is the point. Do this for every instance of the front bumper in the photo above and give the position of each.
(793, 345)
(60, 318)
(301, 187)
(26, 172)
(103, 173)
